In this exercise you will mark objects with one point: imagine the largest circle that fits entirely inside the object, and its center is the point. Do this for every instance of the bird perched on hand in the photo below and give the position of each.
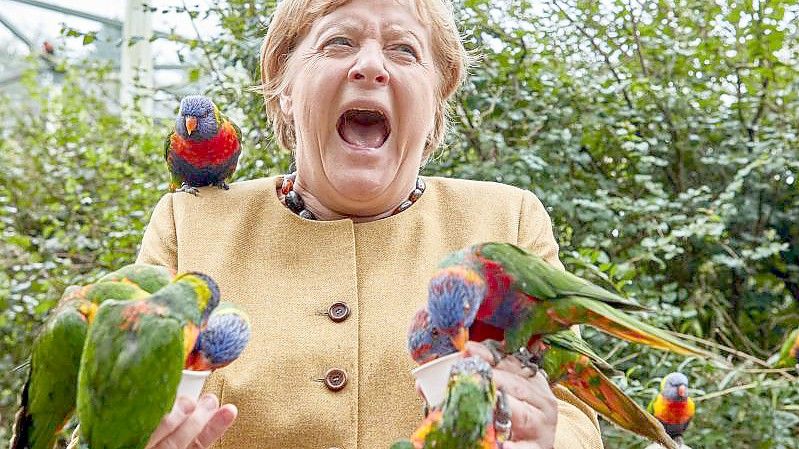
(203, 148)
(222, 340)
(521, 296)
(48, 396)
(133, 359)
(466, 418)
(788, 356)
(568, 361)
(672, 406)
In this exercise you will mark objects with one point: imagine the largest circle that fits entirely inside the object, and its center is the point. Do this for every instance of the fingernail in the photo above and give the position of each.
(208, 402)
(185, 405)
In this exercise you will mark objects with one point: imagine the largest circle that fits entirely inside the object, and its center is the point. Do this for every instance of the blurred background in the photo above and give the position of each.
(662, 136)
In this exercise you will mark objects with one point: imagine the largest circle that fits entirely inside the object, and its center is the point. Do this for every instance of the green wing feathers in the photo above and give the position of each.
(48, 397)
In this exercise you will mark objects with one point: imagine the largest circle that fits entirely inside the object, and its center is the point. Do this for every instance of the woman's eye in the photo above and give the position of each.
(339, 40)
(405, 48)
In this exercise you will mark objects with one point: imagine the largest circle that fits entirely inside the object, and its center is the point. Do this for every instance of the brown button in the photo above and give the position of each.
(338, 312)
(335, 379)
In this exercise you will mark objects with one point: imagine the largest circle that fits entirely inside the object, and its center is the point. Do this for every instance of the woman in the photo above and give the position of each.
(331, 263)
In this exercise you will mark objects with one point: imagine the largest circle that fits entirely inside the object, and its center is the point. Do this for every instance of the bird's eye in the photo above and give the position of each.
(434, 332)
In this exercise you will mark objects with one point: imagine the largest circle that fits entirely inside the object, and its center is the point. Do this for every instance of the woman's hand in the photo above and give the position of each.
(534, 409)
(193, 424)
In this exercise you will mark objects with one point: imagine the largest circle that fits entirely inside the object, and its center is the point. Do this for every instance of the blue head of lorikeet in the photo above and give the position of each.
(675, 387)
(198, 118)
(454, 296)
(426, 343)
(222, 340)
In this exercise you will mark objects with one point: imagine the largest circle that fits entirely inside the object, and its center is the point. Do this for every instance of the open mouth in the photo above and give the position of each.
(363, 128)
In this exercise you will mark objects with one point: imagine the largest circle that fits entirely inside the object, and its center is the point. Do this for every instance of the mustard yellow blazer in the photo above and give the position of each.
(330, 302)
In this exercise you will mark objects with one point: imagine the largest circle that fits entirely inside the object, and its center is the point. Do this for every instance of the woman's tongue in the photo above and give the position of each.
(362, 134)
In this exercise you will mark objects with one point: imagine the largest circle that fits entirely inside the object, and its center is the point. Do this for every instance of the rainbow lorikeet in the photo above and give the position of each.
(149, 278)
(568, 361)
(788, 356)
(48, 396)
(221, 340)
(672, 406)
(203, 148)
(505, 287)
(466, 417)
(133, 358)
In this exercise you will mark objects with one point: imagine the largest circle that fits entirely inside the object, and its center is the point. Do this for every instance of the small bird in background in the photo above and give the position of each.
(223, 339)
(48, 48)
(133, 359)
(788, 357)
(672, 406)
(466, 418)
(203, 148)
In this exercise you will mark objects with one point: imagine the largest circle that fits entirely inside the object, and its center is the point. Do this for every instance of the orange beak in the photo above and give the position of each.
(460, 339)
(682, 391)
(191, 123)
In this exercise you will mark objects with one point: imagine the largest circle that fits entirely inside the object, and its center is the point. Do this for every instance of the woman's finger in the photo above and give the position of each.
(183, 407)
(535, 391)
(216, 426)
(185, 434)
(527, 422)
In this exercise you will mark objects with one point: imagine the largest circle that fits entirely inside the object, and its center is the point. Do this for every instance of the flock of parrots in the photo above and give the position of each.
(131, 333)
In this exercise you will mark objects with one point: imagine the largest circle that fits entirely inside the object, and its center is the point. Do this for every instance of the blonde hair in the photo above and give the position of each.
(292, 19)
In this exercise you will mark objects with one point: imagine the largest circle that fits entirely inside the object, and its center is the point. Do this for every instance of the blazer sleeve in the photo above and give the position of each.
(160, 244)
(578, 427)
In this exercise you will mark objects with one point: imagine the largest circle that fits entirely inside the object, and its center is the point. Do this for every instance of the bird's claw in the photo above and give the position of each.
(528, 360)
(222, 185)
(495, 347)
(185, 187)
(502, 416)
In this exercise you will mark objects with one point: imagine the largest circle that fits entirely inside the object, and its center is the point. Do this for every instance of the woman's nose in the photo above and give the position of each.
(369, 68)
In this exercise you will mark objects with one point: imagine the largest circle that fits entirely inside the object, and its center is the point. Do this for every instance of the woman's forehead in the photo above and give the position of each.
(389, 16)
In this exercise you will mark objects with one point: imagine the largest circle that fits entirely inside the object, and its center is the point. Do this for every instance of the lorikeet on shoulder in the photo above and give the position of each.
(203, 148)
(672, 406)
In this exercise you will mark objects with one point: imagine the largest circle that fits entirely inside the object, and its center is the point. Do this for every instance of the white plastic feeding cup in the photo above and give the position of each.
(433, 377)
(191, 384)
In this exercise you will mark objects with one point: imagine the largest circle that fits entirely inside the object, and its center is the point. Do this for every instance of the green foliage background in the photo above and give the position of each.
(662, 135)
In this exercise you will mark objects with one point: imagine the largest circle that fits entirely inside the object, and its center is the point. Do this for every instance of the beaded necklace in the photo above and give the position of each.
(294, 201)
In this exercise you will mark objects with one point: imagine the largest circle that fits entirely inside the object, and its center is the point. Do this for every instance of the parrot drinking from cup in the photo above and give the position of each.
(222, 340)
(520, 294)
(48, 396)
(466, 417)
(568, 361)
(672, 406)
(133, 359)
(203, 148)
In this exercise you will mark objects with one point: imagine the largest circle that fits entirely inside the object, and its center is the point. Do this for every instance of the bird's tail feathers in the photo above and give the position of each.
(626, 327)
(600, 393)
